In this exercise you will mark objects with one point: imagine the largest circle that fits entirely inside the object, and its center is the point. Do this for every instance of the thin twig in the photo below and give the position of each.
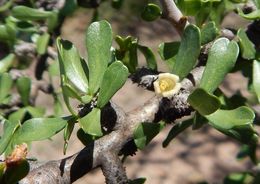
(172, 13)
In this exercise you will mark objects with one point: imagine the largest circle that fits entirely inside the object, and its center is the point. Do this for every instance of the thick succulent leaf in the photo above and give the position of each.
(23, 85)
(67, 92)
(145, 132)
(91, 123)
(26, 26)
(6, 5)
(42, 43)
(6, 83)
(190, 44)
(70, 92)
(6, 63)
(114, 78)
(208, 33)
(238, 178)
(98, 44)
(151, 12)
(257, 3)
(37, 129)
(203, 102)
(222, 58)
(236, 123)
(247, 47)
(256, 78)
(17, 116)
(9, 129)
(149, 56)
(168, 50)
(131, 59)
(25, 13)
(7, 33)
(69, 7)
(35, 112)
(67, 134)
(255, 15)
(198, 121)
(176, 130)
(189, 7)
(71, 65)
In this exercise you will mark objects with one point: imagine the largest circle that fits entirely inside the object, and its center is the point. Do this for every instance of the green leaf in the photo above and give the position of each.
(37, 129)
(35, 112)
(127, 53)
(168, 50)
(21, 113)
(67, 134)
(257, 3)
(53, 68)
(190, 43)
(208, 33)
(198, 121)
(25, 26)
(9, 130)
(91, 123)
(203, 102)
(222, 58)
(236, 123)
(256, 78)
(69, 91)
(176, 130)
(71, 65)
(69, 7)
(145, 132)
(24, 88)
(7, 33)
(53, 20)
(138, 181)
(114, 78)
(149, 56)
(255, 15)
(131, 59)
(26, 13)
(238, 178)
(42, 43)
(151, 12)
(18, 115)
(15, 173)
(98, 44)
(189, 7)
(6, 63)
(58, 109)
(6, 83)
(6, 6)
(247, 47)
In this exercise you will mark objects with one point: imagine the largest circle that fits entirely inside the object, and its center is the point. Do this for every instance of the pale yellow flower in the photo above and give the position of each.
(167, 84)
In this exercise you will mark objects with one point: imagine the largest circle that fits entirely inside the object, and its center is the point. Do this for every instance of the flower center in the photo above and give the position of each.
(166, 84)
